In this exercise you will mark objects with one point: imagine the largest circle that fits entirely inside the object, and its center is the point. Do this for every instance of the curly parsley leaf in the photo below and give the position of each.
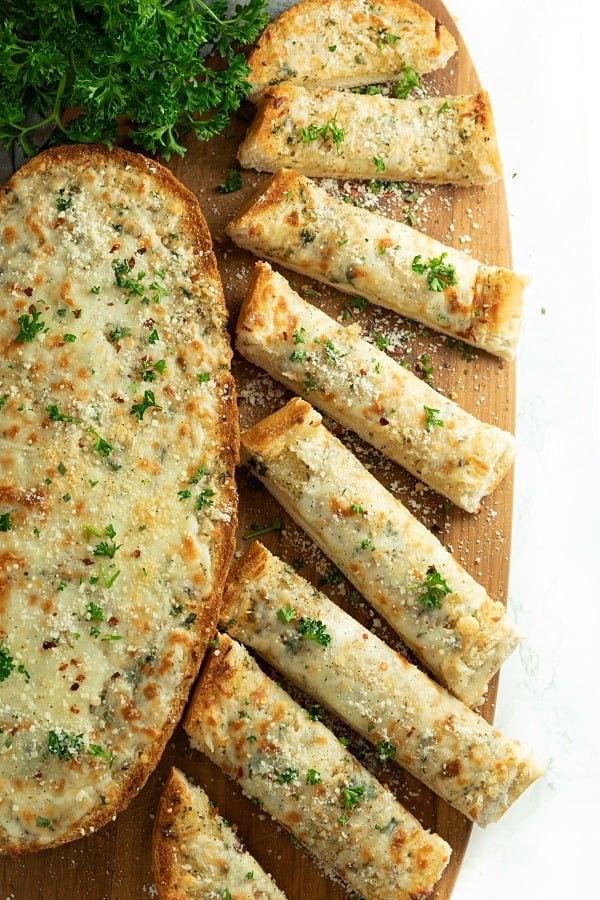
(433, 589)
(142, 62)
(313, 630)
(440, 275)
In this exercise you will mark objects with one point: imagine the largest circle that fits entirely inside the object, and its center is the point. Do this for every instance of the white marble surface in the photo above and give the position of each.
(539, 64)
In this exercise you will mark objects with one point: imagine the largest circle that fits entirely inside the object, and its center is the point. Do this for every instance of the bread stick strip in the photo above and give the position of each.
(337, 134)
(196, 855)
(390, 702)
(346, 43)
(303, 777)
(295, 222)
(366, 390)
(456, 629)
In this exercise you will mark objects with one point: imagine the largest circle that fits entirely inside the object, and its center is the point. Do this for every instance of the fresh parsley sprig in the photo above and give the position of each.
(145, 60)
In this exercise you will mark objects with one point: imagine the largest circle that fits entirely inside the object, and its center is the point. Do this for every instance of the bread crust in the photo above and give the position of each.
(107, 773)
(336, 43)
(331, 134)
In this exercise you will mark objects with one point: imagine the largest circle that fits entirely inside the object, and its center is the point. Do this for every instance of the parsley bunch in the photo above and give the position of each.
(108, 60)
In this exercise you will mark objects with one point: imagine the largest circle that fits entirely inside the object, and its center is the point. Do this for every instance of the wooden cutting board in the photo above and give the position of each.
(115, 863)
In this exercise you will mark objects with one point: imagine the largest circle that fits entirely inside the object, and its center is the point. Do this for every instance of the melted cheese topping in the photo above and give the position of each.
(115, 483)
(390, 702)
(302, 776)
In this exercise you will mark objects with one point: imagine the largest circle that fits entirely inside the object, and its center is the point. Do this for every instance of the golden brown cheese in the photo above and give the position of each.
(300, 773)
(390, 702)
(197, 855)
(364, 389)
(404, 572)
(346, 43)
(117, 498)
(340, 134)
(297, 223)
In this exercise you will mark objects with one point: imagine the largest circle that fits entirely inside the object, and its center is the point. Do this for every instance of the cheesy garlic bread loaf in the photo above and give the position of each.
(118, 443)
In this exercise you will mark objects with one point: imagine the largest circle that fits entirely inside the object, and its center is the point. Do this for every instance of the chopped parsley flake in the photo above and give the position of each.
(148, 402)
(274, 525)
(352, 795)
(440, 275)
(55, 416)
(64, 745)
(233, 181)
(409, 79)
(29, 326)
(386, 750)
(101, 446)
(313, 630)
(287, 775)
(433, 589)
(286, 614)
(330, 129)
(431, 418)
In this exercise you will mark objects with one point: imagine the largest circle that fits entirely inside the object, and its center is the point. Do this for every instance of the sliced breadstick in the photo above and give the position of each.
(346, 43)
(339, 134)
(196, 855)
(390, 702)
(295, 222)
(301, 775)
(366, 390)
(401, 569)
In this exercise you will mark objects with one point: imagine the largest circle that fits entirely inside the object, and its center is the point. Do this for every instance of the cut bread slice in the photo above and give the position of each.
(340, 134)
(347, 43)
(197, 855)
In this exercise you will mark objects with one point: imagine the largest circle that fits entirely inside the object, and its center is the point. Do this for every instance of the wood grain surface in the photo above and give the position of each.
(114, 864)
